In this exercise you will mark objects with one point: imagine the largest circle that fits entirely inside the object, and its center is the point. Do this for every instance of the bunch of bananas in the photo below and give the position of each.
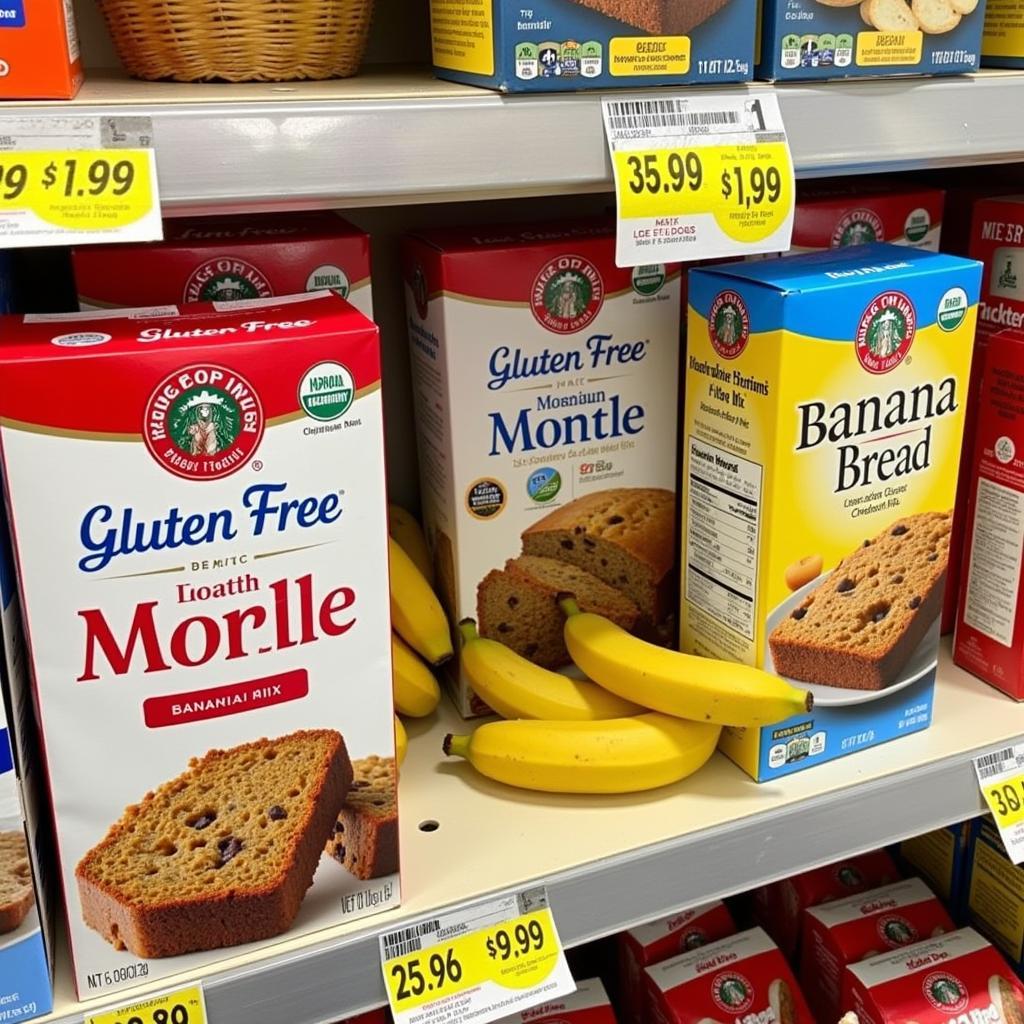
(649, 717)
(421, 637)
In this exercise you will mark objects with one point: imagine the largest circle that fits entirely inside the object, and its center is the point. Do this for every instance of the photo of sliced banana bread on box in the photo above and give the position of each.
(16, 893)
(659, 17)
(364, 839)
(859, 626)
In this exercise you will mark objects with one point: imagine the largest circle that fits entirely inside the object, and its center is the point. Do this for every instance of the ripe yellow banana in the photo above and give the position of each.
(406, 530)
(516, 688)
(702, 689)
(416, 613)
(617, 755)
(416, 689)
(401, 741)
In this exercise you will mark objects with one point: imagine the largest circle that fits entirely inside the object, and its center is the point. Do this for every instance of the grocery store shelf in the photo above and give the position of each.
(399, 136)
(610, 862)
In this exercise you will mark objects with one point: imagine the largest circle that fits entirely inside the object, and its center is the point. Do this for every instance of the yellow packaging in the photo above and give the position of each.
(823, 417)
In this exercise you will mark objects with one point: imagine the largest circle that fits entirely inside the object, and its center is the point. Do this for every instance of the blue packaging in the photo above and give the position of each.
(942, 859)
(563, 45)
(995, 892)
(812, 39)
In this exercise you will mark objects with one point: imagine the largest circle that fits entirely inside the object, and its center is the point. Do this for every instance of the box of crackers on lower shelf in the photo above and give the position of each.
(558, 45)
(824, 411)
(192, 606)
(819, 39)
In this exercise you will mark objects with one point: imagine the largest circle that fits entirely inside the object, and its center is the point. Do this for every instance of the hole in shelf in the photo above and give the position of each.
(429, 825)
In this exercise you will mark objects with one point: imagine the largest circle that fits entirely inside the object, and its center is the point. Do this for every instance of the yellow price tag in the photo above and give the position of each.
(746, 187)
(1005, 799)
(182, 1006)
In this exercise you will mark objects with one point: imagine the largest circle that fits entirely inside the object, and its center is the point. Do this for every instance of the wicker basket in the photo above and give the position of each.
(239, 40)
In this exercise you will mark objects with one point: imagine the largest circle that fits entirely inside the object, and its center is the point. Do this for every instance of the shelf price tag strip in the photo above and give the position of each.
(185, 1005)
(1001, 777)
(495, 958)
(76, 180)
(698, 178)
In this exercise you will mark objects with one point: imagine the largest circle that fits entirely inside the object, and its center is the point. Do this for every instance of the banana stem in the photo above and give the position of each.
(456, 745)
(568, 605)
(467, 627)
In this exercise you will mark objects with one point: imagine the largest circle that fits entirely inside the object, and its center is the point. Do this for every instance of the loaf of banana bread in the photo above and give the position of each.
(658, 17)
(16, 893)
(365, 836)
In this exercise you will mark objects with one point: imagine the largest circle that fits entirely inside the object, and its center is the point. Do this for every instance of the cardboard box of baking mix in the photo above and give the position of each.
(545, 383)
(819, 466)
(817, 39)
(225, 259)
(941, 858)
(589, 1004)
(39, 53)
(189, 593)
(592, 44)
(1002, 43)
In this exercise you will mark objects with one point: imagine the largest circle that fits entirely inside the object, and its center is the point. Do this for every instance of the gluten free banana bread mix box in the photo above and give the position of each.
(824, 411)
(558, 45)
(545, 382)
(199, 520)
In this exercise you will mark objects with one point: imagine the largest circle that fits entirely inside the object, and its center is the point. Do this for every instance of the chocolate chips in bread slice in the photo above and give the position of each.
(365, 836)
(16, 893)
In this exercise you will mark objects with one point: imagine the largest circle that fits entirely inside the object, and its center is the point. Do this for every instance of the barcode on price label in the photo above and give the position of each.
(990, 765)
(625, 115)
(408, 940)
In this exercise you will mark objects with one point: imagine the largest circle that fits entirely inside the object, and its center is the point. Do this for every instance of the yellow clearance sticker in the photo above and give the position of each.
(1005, 799)
(1003, 35)
(462, 33)
(747, 187)
(182, 1006)
(882, 49)
(649, 55)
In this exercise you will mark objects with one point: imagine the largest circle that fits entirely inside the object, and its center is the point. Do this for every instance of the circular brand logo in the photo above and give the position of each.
(326, 390)
(328, 276)
(857, 227)
(732, 992)
(226, 279)
(203, 422)
(649, 279)
(543, 485)
(420, 295)
(692, 939)
(952, 309)
(485, 498)
(917, 225)
(945, 992)
(567, 294)
(729, 324)
(849, 876)
(1005, 450)
(886, 332)
(81, 339)
(896, 931)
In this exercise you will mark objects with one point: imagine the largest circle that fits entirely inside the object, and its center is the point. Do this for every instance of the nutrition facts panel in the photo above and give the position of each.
(722, 527)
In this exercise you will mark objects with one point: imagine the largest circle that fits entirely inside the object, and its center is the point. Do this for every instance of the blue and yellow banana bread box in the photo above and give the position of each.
(559, 45)
(823, 416)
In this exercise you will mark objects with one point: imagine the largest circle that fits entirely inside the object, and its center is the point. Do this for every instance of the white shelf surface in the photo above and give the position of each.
(611, 862)
(398, 135)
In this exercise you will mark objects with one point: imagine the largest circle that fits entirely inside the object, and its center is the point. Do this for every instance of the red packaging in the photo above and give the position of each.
(779, 907)
(378, 1016)
(956, 979)
(589, 1004)
(224, 259)
(658, 941)
(848, 931)
(989, 618)
(743, 979)
(39, 52)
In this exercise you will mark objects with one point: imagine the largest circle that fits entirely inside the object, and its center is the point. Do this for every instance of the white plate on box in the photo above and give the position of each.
(919, 664)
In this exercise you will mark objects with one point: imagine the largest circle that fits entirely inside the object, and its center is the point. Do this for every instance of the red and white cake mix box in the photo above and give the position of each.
(848, 931)
(743, 979)
(779, 907)
(657, 941)
(199, 520)
(225, 259)
(589, 1004)
(990, 618)
(956, 979)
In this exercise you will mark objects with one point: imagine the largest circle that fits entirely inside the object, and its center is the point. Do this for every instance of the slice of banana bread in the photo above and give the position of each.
(857, 629)
(16, 893)
(658, 17)
(518, 605)
(221, 855)
(624, 536)
(365, 838)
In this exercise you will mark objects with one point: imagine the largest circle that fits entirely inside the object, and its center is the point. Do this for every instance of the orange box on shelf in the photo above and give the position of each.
(39, 56)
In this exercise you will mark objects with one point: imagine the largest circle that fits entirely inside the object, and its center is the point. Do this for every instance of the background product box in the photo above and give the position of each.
(848, 931)
(988, 639)
(1002, 43)
(39, 54)
(743, 977)
(188, 598)
(589, 1004)
(658, 941)
(560, 45)
(941, 858)
(545, 386)
(957, 977)
(995, 902)
(779, 907)
(809, 39)
(224, 259)
(812, 441)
